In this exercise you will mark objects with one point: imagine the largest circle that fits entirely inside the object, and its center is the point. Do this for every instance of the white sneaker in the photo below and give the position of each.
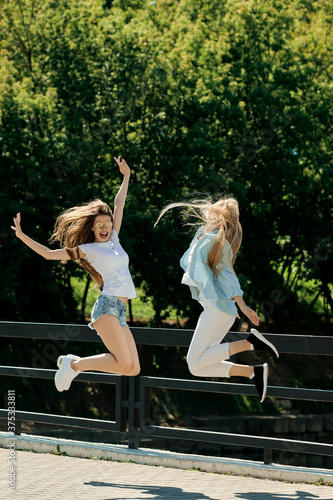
(64, 376)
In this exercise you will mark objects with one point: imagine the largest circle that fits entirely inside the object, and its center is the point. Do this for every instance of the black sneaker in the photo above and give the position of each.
(260, 343)
(260, 380)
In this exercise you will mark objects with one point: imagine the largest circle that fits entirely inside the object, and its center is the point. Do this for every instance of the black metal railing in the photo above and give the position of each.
(132, 394)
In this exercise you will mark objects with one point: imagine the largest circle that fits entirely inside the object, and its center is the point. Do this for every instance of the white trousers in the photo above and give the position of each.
(206, 356)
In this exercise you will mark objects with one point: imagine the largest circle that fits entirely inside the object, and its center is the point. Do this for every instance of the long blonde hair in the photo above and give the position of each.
(74, 227)
(222, 215)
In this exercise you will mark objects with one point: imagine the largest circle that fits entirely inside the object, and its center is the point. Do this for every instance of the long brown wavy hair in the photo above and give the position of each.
(222, 215)
(74, 227)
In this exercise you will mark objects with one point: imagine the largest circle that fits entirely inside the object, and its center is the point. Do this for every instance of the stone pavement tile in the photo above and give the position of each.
(51, 477)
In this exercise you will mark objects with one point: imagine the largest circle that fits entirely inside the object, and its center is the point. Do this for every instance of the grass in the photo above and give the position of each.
(58, 452)
(142, 310)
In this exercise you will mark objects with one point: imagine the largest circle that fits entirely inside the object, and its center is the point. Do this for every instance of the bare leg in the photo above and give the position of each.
(240, 370)
(239, 346)
(122, 357)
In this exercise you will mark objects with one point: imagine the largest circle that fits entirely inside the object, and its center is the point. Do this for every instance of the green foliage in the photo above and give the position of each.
(208, 97)
(58, 452)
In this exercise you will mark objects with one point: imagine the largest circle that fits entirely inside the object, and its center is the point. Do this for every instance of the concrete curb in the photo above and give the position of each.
(81, 449)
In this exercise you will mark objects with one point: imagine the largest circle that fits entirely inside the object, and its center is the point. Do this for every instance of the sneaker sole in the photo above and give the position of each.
(265, 341)
(56, 382)
(265, 377)
(59, 363)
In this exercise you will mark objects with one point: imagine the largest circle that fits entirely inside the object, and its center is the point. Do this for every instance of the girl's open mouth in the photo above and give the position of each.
(104, 235)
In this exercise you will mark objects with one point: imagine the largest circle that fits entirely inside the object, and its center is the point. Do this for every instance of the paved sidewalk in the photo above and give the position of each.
(164, 458)
(42, 476)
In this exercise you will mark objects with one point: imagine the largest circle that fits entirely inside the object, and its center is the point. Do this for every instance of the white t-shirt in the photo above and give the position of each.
(111, 261)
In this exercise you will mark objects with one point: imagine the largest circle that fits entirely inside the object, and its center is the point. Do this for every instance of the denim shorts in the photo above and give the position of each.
(107, 304)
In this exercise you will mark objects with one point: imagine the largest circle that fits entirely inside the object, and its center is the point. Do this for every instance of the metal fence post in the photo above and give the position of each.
(123, 403)
(133, 412)
(18, 427)
(268, 456)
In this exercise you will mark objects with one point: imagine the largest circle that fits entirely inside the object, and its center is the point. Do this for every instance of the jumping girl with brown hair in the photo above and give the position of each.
(88, 234)
(208, 271)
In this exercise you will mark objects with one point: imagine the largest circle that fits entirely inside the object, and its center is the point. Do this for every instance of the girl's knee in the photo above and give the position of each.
(135, 370)
(124, 366)
(193, 367)
(130, 368)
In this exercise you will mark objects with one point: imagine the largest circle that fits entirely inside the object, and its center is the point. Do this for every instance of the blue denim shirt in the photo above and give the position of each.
(219, 290)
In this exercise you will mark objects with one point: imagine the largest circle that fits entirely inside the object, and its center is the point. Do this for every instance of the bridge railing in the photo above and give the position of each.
(132, 394)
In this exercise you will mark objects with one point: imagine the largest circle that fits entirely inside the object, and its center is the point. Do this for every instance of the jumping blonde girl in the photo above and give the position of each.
(209, 273)
(88, 234)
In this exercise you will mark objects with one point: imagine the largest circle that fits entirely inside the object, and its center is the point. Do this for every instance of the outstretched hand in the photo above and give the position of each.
(252, 315)
(17, 225)
(123, 167)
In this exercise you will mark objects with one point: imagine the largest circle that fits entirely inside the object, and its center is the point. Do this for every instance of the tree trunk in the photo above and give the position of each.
(327, 293)
(84, 300)
(130, 311)
(315, 300)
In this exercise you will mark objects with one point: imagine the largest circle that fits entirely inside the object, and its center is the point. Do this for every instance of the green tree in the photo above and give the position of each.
(208, 97)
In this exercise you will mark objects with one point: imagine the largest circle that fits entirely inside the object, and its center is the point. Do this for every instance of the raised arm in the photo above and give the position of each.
(45, 252)
(120, 199)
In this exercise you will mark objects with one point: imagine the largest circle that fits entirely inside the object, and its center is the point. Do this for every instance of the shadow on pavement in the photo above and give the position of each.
(156, 492)
(298, 495)
(169, 493)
